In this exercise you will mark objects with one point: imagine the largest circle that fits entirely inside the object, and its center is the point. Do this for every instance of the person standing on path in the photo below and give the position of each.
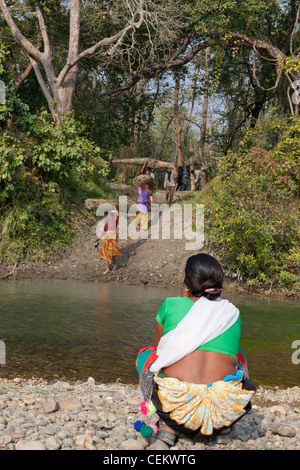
(170, 184)
(186, 179)
(149, 172)
(179, 178)
(109, 246)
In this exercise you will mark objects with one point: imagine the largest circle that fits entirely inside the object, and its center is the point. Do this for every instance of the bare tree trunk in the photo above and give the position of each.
(20, 79)
(164, 136)
(211, 146)
(67, 90)
(178, 127)
(141, 93)
(154, 102)
(191, 155)
(94, 84)
(59, 90)
(205, 109)
(186, 133)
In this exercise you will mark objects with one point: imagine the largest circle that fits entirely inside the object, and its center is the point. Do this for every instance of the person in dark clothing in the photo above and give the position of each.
(179, 178)
(186, 179)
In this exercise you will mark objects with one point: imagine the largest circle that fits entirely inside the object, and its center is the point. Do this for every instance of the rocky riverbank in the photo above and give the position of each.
(37, 415)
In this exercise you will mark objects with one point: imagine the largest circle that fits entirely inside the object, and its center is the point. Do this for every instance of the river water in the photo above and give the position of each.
(73, 330)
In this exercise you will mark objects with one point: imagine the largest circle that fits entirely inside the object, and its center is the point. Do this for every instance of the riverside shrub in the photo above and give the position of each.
(43, 168)
(252, 210)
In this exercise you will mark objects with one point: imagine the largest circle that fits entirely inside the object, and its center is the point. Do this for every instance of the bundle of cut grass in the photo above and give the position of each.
(141, 180)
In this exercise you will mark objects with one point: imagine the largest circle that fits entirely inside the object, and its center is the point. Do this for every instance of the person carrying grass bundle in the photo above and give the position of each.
(143, 205)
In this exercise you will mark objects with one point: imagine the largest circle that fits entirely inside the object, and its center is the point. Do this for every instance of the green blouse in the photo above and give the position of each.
(174, 309)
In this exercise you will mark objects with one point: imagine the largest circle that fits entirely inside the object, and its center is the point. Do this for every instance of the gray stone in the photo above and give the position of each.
(68, 442)
(50, 405)
(158, 445)
(49, 430)
(283, 430)
(30, 445)
(94, 417)
(80, 441)
(198, 446)
(53, 443)
(68, 402)
(283, 409)
(7, 439)
(102, 434)
(131, 444)
(62, 434)
(90, 446)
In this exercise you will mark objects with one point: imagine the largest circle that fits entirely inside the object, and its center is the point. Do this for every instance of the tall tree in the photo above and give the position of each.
(204, 109)
(177, 121)
(59, 87)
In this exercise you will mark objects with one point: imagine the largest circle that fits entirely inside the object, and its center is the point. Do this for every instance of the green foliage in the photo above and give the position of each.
(3, 55)
(252, 213)
(53, 152)
(290, 64)
(44, 172)
(220, 16)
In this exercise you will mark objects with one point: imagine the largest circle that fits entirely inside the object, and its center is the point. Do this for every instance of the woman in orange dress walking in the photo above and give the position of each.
(109, 246)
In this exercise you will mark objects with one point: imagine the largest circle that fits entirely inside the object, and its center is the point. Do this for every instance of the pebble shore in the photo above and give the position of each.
(37, 415)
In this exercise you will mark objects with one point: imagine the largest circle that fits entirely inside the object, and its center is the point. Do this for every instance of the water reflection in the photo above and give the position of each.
(73, 330)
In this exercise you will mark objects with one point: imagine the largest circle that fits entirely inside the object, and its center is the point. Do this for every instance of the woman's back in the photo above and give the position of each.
(202, 367)
(211, 361)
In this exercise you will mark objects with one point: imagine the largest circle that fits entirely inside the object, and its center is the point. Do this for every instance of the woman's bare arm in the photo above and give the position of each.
(158, 333)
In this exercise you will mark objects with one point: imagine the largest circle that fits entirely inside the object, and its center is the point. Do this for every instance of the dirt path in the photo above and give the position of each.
(151, 262)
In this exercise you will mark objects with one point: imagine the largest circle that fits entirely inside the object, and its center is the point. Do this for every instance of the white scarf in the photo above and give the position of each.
(205, 321)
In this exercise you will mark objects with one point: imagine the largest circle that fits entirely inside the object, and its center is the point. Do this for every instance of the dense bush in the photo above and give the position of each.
(252, 207)
(45, 173)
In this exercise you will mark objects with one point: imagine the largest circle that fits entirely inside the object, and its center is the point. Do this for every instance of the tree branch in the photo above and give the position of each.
(278, 76)
(135, 22)
(43, 28)
(191, 121)
(294, 29)
(150, 72)
(42, 84)
(22, 77)
(26, 45)
(74, 33)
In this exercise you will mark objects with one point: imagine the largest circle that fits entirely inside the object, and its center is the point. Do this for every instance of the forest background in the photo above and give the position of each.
(211, 84)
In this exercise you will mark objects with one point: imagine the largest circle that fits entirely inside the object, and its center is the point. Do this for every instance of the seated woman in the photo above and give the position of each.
(196, 375)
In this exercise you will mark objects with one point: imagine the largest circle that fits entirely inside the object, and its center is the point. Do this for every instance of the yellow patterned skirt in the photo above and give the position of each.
(204, 407)
(109, 248)
(141, 220)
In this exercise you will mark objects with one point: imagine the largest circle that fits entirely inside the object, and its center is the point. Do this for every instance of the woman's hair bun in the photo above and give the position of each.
(211, 289)
(204, 276)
